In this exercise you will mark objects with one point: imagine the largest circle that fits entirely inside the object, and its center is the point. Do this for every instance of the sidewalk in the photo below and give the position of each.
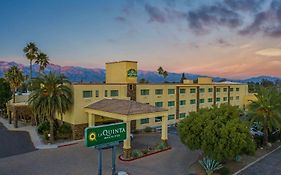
(36, 140)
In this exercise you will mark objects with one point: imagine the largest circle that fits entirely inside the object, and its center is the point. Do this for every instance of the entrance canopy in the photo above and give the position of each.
(127, 111)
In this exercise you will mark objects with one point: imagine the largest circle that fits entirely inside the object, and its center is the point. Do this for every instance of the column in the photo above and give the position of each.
(127, 143)
(91, 119)
(164, 133)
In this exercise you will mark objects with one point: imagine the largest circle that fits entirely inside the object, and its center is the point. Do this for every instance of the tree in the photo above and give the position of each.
(182, 78)
(42, 60)
(266, 83)
(50, 95)
(31, 52)
(267, 110)
(5, 93)
(217, 132)
(162, 72)
(15, 78)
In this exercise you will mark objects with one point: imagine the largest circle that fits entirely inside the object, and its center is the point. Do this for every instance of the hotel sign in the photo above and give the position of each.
(132, 73)
(104, 134)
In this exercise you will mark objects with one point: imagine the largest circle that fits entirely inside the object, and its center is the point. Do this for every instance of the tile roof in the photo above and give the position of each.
(124, 107)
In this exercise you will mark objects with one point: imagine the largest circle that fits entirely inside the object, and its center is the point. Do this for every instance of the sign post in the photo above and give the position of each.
(104, 137)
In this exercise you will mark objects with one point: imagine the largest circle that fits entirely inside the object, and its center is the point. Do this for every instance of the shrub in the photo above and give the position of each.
(224, 171)
(45, 134)
(43, 127)
(210, 165)
(145, 151)
(147, 129)
(136, 153)
(64, 131)
(160, 146)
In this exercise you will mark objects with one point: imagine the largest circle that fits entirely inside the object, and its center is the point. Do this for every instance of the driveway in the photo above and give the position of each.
(270, 165)
(14, 142)
(77, 159)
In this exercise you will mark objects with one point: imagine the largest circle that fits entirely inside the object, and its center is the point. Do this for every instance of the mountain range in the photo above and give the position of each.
(97, 75)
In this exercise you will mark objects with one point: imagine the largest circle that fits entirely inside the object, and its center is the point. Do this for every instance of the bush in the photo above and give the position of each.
(64, 131)
(224, 171)
(136, 153)
(43, 127)
(147, 129)
(210, 165)
(160, 146)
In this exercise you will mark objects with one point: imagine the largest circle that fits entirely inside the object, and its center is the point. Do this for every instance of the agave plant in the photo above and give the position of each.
(210, 165)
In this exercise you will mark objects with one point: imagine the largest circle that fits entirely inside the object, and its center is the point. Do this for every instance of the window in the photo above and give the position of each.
(87, 94)
(192, 90)
(158, 91)
(210, 100)
(237, 97)
(158, 119)
(210, 89)
(131, 87)
(237, 89)
(114, 93)
(218, 89)
(171, 91)
(202, 100)
(171, 103)
(144, 120)
(182, 91)
(159, 104)
(224, 98)
(231, 89)
(144, 91)
(202, 90)
(230, 98)
(171, 117)
(182, 115)
(182, 102)
(224, 89)
(105, 93)
(193, 101)
(97, 93)
(218, 99)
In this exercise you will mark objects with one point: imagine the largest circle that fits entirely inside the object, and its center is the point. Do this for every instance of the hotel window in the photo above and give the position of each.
(202, 100)
(159, 104)
(237, 89)
(193, 101)
(231, 89)
(210, 89)
(192, 90)
(144, 91)
(114, 93)
(87, 94)
(158, 119)
(218, 99)
(218, 89)
(182, 115)
(210, 100)
(237, 97)
(224, 98)
(158, 91)
(182, 102)
(171, 91)
(97, 93)
(171, 103)
(224, 89)
(202, 90)
(144, 120)
(171, 117)
(230, 98)
(105, 93)
(182, 91)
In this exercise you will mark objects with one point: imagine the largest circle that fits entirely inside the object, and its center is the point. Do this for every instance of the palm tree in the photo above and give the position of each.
(31, 52)
(162, 72)
(50, 95)
(267, 110)
(15, 78)
(42, 60)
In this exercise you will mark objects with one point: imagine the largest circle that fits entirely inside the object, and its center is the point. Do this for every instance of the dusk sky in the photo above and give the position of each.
(227, 38)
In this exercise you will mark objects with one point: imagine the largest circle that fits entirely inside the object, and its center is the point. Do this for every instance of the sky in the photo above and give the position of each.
(228, 38)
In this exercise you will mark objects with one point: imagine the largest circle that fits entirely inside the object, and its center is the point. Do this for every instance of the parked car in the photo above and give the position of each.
(256, 132)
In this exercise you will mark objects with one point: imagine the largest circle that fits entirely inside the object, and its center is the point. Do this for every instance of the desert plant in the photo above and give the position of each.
(210, 165)
(160, 146)
(43, 127)
(137, 153)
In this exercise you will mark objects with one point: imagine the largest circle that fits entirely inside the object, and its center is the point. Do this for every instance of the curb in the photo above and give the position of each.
(252, 163)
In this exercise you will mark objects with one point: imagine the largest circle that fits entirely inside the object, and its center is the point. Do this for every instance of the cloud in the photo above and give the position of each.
(221, 42)
(270, 52)
(170, 3)
(120, 19)
(244, 5)
(155, 14)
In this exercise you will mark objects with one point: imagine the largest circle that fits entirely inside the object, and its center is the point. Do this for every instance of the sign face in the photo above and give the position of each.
(132, 73)
(104, 134)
